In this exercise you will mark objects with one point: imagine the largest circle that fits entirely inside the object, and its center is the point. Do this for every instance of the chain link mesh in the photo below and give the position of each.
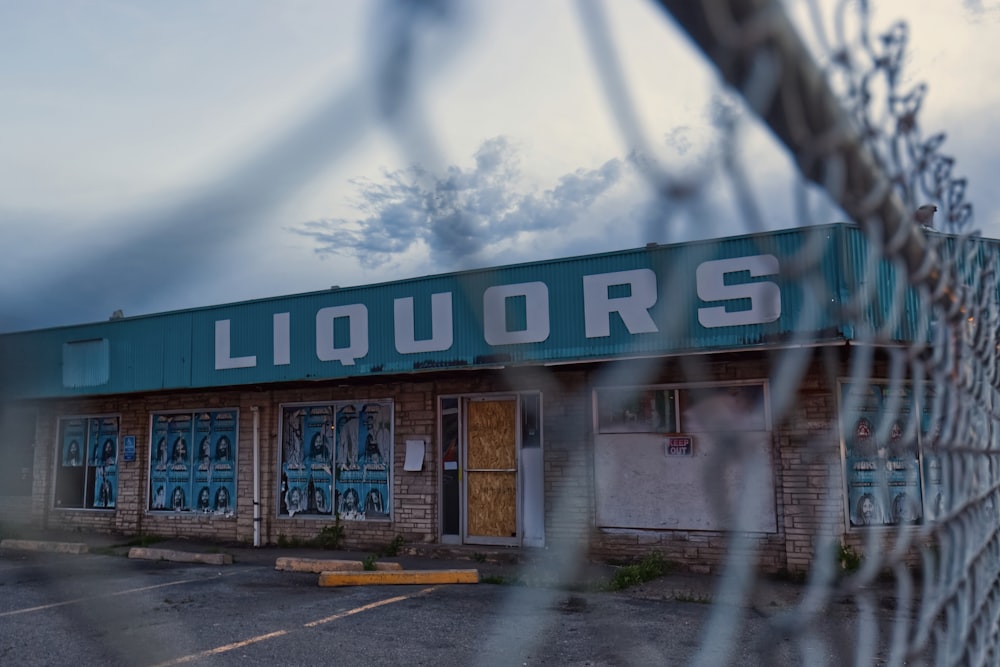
(854, 133)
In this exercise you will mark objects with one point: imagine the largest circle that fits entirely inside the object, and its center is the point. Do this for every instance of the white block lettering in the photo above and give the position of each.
(536, 299)
(633, 309)
(223, 360)
(326, 348)
(765, 297)
(442, 330)
(282, 339)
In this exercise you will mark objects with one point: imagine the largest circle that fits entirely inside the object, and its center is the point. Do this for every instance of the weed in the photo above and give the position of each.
(142, 541)
(394, 547)
(493, 579)
(849, 559)
(330, 537)
(479, 557)
(653, 565)
(368, 562)
(703, 598)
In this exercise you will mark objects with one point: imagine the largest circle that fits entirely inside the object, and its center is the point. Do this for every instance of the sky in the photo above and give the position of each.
(158, 156)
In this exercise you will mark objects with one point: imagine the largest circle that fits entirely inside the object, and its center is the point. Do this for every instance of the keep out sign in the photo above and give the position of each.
(679, 446)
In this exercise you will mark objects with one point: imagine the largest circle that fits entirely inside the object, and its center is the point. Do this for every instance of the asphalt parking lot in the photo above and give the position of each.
(105, 609)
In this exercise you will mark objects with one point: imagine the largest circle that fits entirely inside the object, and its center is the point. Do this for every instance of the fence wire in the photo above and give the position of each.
(855, 132)
(831, 92)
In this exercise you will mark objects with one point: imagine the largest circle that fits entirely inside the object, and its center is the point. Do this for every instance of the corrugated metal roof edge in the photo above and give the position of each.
(416, 279)
(389, 375)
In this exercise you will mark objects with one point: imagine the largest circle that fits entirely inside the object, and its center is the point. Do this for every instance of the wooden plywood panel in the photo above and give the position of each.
(491, 441)
(492, 502)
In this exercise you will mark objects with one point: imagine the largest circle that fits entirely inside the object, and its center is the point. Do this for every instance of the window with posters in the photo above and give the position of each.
(336, 459)
(87, 463)
(890, 481)
(192, 465)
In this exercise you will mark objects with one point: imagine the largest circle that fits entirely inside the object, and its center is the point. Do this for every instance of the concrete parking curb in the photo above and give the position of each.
(394, 577)
(318, 565)
(180, 556)
(42, 545)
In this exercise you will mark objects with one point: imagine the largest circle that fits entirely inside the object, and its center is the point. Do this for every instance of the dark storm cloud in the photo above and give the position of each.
(460, 213)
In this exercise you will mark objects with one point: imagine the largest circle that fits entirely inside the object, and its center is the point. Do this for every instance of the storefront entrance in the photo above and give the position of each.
(491, 492)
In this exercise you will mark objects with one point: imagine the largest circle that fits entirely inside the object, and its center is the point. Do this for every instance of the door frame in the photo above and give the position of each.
(524, 477)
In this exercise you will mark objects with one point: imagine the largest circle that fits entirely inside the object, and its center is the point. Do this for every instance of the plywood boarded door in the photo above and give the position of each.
(491, 480)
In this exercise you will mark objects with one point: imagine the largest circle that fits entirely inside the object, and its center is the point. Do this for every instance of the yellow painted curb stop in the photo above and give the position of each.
(396, 577)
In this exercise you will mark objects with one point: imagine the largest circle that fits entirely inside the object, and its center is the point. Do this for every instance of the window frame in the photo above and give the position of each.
(220, 476)
(107, 472)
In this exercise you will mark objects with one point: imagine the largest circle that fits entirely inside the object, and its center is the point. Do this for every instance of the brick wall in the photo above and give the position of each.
(807, 468)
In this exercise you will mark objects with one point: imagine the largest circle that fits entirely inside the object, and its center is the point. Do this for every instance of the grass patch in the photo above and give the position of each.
(849, 559)
(704, 598)
(331, 537)
(652, 566)
(493, 579)
(394, 547)
(142, 541)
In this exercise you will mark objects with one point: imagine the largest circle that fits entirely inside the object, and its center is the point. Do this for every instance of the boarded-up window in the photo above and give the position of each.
(86, 363)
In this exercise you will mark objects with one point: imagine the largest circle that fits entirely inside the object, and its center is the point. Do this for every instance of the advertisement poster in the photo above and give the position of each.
(880, 429)
(335, 460)
(104, 436)
(193, 462)
(73, 442)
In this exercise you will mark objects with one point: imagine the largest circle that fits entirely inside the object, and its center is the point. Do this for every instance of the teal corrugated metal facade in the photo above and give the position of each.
(543, 319)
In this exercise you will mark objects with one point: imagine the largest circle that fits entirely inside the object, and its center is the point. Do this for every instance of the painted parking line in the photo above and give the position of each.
(281, 633)
(64, 603)
(372, 605)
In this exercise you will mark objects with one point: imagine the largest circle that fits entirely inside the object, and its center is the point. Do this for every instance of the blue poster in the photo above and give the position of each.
(105, 489)
(72, 447)
(335, 460)
(193, 462)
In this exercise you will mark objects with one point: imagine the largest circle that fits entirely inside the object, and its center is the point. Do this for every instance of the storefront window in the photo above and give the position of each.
(882, 456)
(681, 410)
(336, 459)
(636, 410)
(193, 462)
(655, 447)
(87, 470)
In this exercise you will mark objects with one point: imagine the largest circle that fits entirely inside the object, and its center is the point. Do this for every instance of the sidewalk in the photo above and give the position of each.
(495, 566)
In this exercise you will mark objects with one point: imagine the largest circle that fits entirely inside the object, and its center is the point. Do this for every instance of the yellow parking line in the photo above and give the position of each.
(64, 603)
(279, 633)
(223, 649)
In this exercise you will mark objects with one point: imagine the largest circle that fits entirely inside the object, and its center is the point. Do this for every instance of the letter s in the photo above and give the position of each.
(765, 296)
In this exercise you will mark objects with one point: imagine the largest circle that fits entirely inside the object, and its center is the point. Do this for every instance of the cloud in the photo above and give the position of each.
(462, 213)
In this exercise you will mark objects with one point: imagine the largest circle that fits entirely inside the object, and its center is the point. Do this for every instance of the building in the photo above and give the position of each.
(621, 402)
